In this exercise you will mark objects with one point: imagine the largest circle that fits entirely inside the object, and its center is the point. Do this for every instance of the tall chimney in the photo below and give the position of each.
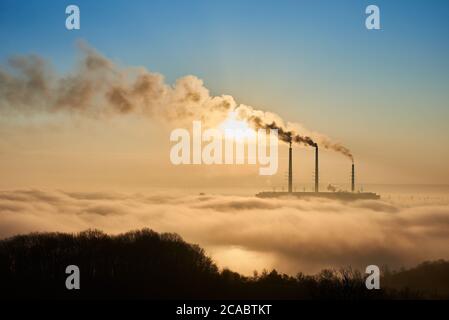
(352, 178)
(316, 169)
(290, 173)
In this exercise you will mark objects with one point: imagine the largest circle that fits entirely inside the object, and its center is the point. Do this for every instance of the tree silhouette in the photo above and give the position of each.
(149, 265)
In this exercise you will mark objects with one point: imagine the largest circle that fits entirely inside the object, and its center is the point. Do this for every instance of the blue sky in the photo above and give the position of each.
(224, 41)
(310, 61)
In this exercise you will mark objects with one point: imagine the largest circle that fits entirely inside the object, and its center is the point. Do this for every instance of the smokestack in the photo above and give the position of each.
(316, 169)
(290, 173)
(352, 178)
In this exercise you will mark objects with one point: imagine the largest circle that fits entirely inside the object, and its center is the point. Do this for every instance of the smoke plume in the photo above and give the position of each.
(261, 120)
(284, 135)
(98, 87)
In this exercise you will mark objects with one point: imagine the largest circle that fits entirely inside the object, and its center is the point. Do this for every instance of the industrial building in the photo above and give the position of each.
(340, 195)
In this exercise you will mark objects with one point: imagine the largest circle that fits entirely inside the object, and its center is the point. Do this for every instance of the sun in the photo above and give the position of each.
(234, 128)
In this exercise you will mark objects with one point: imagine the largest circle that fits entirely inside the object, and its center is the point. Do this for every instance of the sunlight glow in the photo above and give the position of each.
(236, 129)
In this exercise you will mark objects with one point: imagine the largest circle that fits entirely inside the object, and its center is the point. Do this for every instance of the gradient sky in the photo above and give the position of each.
(383, 93)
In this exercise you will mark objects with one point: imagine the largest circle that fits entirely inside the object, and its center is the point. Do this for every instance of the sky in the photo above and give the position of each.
(382, 93)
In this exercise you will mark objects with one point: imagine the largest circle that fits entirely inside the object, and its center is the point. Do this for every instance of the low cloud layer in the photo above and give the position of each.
(247, 233)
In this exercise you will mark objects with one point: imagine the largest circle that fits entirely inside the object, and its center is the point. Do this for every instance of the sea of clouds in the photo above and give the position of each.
(246, 233)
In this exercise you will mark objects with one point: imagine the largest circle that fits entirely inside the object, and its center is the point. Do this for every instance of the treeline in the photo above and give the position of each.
(145, 264)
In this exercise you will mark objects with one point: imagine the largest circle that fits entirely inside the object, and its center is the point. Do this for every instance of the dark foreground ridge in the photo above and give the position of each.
(149, 265)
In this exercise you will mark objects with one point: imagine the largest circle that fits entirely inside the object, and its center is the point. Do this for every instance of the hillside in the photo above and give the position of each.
(149, 265)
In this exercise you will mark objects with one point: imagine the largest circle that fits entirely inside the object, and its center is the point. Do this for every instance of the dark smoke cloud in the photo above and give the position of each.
(260, 120)
(98, 87)
(283, 134)
(338, 148)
